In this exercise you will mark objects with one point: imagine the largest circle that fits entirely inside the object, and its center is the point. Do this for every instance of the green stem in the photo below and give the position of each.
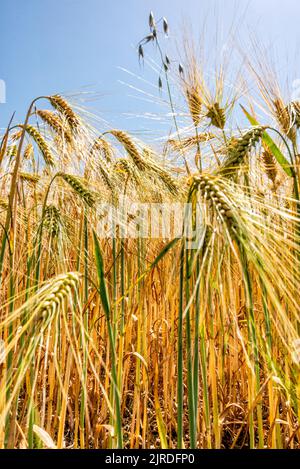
(190, 377)
(180, 357)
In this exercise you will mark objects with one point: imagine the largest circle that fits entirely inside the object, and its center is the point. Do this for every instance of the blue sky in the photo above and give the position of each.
(71, 46)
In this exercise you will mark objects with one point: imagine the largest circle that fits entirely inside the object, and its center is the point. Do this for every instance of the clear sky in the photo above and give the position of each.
(70, 46)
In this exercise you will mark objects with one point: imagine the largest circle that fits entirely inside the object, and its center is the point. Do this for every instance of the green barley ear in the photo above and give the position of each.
(65, 109)
(55, 123)
(41, 143)
(52, 220)
(214, 197)
(238, 148)
(84, 193)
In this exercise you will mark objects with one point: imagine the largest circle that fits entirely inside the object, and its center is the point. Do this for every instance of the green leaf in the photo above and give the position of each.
(101, 277)
(269, 142)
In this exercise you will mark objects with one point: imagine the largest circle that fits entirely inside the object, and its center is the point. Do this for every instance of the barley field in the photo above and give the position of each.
(111, 338)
